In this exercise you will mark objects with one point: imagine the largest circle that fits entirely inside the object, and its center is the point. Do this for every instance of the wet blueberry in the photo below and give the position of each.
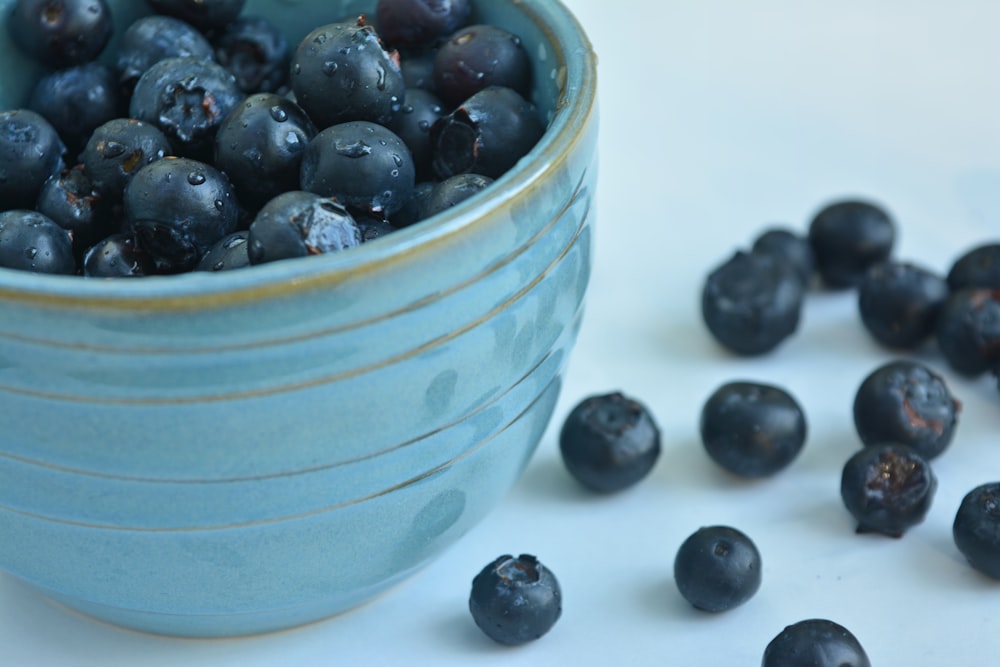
(609, 442)
(515, 600)
(117, 256)
(791, 248)
(76, 101)
(887, 488)
(899, 303)
(365, 166)
(476, 57)
(417, 67)
(414, 210)
(29, 241)
(150, 39)
(968, 330)
(751, 303)
(487, 134)
(203, 14)
(976, 529)
(229, 252)
(60, 34)
(815, 642)
(752, 429)
(256, 52)
(119, 148)
(30, 152)
(297, 224)
(977, 267)
(187, 98)
(70, 200)
(906, 402)
(717, 568)
(373, 227)
(454, 190)
(848, 237)
(260, 147)
(415, 23)
(412, 123)
(341, 72)
(178, 208)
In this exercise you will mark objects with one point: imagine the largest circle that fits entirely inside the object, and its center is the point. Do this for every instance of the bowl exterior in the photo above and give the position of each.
(239, 461)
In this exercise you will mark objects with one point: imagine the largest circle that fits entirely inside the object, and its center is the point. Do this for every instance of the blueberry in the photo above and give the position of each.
(229, 252)
(150, 39)
(977, 267)
(815, 642)
(178, 208)
(363, 165)
(256, 52)
(29, 241)
(260, 147)
(297, 224)
(976, 529)
(906, 402)
(30, 152)
(412, 123)
(515, 600)
(414, 210)
(476, 57)
(187, 98)
(887, 488)
(61, 34)
(609, 442)
(76, 101)
(203, 14)
(789, 247)
(70, 200)
(119, 148)
(420, 22)
(117, 256)
(454, 190)
(752, 429)
(717, 568)
(847, 237)
(968, 330)
(341, 72)
(899, 303)
(487, 134)
(751, 303)
(417, 67)
(373, 227)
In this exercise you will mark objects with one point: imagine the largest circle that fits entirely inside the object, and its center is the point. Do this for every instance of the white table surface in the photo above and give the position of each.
(718, 117)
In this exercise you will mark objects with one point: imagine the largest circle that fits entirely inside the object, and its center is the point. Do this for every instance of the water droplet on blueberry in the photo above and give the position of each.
(329, 68)
(196, 178)
(279, 114)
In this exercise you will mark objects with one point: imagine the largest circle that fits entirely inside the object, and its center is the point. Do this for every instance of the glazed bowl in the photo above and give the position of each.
(219, 454)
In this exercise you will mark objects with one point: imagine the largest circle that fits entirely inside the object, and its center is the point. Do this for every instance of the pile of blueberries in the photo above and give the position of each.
(208, 142)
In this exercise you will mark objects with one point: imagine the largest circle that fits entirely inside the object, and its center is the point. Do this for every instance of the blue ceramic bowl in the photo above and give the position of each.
(233, 453)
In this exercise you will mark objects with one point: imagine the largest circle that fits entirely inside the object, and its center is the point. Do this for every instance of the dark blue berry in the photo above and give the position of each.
(487, 134)
(373, 227)
(119, 148)
(515, 600)
(476, 57)
(717, 568)
(365, 166)
(260, 147)
(848, 237)
(968, 330)
(298, 224)
(609, 442)
(414, 210)
(229, 252)
(30, 241)
(178, 208)
(70, 200)
(117, 256)
(899, 303)
(30, 152)
(752, 429)
(417, 68)
(341, 72)
(454, 190)
(906, 402)
(976, 529)
(414, 23)
(815, 643)
(150, 39)
(76, 101)
(203, 14)
(752, 302)
(977, 267)
(887, 488)
(256, 52)
(789, 247)
(60, 34)
(412, 123)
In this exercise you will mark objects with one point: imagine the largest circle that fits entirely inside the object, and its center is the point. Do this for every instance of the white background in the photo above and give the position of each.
(718, 118)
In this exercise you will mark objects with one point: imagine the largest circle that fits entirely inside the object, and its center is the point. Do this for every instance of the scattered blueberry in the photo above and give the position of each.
(976, 529)
(373, 227)
(30, 152)
(203, 14)
(29, 241)
(977, 267)
(609, 442)
(76, 101)
(454, 190)
(968, 330)
(117, 256)
(905, 402)
(479, 56)
(815, 642)
(418, 69)
(297, 224)
(899, 303)
(887, 488)
(420, 23)
(515, 600)
(752, 429)
(150, 39)
(256, 52)
(229, 252)
(751, 303)
(70, 200)
(412, 123)
(847, 237)
(415, 208)
(119, 148)
(60, 34)
(717, 568)
(791, 248)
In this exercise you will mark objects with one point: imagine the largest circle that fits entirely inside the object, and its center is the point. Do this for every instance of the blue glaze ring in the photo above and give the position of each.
(234, 453)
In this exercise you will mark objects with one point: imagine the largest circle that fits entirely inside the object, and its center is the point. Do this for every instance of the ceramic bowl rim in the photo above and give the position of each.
(572, 54)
